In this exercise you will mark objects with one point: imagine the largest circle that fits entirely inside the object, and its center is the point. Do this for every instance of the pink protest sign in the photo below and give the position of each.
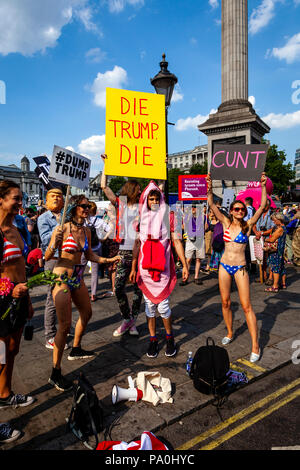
(192, 187)
(238, 162)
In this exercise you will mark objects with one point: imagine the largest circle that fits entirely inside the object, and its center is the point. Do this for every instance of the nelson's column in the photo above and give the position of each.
(235, 122)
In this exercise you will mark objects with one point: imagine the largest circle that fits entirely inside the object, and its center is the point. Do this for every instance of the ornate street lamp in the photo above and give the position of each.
(164, 83)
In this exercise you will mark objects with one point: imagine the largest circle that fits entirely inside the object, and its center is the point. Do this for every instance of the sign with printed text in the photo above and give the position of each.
(238, 162)
(192, 187)
(70, 168)
(135, 138)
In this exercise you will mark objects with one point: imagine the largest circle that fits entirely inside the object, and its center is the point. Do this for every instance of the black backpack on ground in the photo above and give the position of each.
(209, 368)
(86, 417)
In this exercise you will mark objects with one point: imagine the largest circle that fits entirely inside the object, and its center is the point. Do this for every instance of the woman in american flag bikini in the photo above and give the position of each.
(71, 241)
(233, 262)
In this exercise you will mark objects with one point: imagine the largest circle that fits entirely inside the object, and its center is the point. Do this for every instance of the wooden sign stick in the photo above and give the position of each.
(66, 205)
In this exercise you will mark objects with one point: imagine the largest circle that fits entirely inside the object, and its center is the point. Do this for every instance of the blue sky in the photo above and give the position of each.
(58, 56)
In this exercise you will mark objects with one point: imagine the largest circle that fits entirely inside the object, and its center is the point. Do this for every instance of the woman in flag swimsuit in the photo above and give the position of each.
(233, 262)
(13, 249)
(71, 241)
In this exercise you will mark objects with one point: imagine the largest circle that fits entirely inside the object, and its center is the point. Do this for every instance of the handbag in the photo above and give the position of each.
(270, 247)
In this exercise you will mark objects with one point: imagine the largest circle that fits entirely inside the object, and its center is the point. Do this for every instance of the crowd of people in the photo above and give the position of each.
(138, 240)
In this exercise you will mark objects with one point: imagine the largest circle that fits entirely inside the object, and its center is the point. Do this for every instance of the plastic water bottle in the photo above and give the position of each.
(188, 364)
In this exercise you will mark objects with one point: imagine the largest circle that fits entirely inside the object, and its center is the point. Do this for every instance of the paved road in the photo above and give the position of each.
(260, 416)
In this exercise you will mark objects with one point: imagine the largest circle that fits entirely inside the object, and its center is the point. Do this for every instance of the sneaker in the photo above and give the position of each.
(125, 326)
(79, 353)
(152, 349)
(171, 348)
(14, 401)
(133, 331)
(50, 344)
(8, 434)
(255, 357)
(226, 340)
(59, 381)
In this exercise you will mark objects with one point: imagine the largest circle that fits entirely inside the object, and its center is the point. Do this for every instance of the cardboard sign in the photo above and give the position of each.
(135, 139)
(192, 187)
(70, 168)
(238, 162)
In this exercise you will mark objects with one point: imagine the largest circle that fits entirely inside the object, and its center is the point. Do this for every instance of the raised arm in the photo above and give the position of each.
(103, 184)
(263, 201)
(210, 200)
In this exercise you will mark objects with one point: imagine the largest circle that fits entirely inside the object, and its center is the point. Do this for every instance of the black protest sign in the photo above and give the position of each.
(42, 171)
(70, 168)
(238, 162)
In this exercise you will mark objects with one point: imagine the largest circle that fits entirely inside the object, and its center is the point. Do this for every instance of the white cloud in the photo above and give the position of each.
(177, 96)
(192, 122)
(95, 55)
(116, 6)
(214, 3)
(262, 15)
(92, 146)
(252, 100)
(85, 15)
(115, 78)
(282, 121)
(290, 52)
(26, 27)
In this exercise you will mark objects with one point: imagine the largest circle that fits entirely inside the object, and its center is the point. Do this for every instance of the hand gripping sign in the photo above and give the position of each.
(69, 168)
(238, 162)
(135, 139)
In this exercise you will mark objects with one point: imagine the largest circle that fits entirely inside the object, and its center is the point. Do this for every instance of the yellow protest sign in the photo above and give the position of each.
(135, 137)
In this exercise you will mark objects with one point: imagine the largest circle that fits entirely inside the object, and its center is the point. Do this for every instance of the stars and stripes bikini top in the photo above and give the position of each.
(11, 251)
(70, 245)
(240, 238)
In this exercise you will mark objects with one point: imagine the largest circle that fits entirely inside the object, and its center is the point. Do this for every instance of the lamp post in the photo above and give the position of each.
(164, 83)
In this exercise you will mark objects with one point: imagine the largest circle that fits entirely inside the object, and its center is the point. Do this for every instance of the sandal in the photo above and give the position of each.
(283, 286)
(272, 289)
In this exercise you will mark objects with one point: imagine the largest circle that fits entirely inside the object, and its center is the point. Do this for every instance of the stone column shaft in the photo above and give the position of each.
(234, 50)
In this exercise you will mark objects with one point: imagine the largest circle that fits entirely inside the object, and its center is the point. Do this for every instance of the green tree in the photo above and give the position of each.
(116, 183)
(173, 174)
(278, 171)
(198, 169)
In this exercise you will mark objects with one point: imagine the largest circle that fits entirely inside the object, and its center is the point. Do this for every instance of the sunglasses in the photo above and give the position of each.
(85, 206)
(238, 209)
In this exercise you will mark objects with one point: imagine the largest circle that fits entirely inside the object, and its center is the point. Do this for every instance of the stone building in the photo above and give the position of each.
(297, 164)
(28, 181)
(186, 159)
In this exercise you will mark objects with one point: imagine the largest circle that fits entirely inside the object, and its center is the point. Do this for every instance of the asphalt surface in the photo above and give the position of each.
(280, 428)
(196, 312)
